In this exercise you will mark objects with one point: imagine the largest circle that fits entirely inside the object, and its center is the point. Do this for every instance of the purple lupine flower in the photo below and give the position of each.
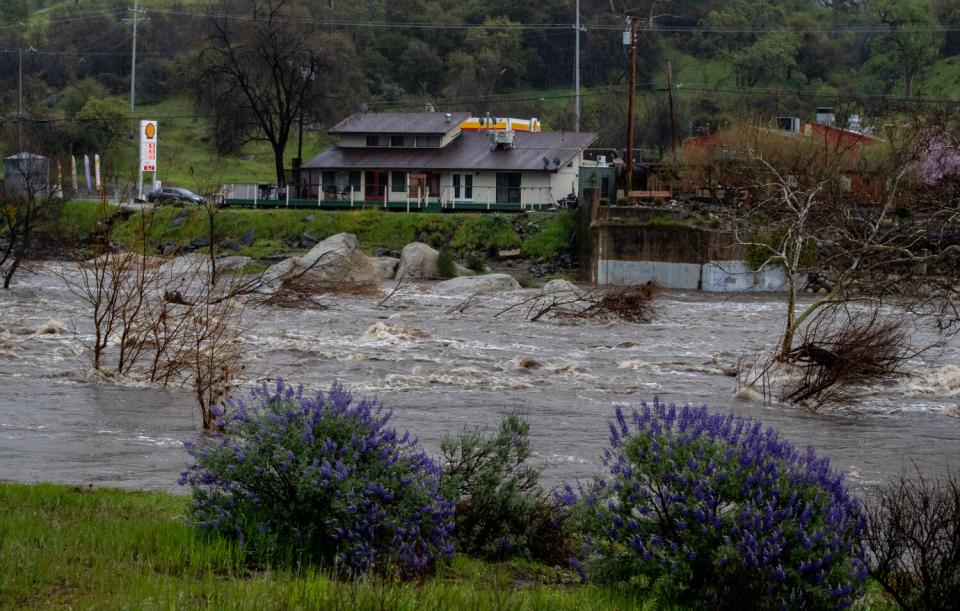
(385, 512)
(685, 484)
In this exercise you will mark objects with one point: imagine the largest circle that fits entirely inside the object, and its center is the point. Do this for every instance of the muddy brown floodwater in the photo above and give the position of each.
(443, 371)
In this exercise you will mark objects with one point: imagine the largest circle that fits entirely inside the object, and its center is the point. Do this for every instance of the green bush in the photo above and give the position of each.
(446, 265)
(554, 237)
(489, 232)
(475, 263)
(501, 510)
(717, 511)
(319, 478)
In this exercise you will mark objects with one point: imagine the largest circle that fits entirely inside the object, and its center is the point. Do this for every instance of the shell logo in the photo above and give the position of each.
(150, 131)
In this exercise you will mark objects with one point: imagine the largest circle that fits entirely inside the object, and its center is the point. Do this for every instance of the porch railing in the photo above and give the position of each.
(412, 199)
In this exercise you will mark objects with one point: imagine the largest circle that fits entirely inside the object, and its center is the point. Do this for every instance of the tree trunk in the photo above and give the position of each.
(18, 255)
(787, 344)
(278, 162)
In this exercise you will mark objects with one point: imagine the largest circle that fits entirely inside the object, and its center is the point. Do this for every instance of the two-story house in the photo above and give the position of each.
(428, 160)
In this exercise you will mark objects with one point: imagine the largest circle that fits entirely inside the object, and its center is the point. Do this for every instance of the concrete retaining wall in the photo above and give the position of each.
(711, 277)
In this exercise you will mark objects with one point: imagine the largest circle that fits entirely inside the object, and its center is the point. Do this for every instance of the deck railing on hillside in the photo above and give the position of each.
(416, 198)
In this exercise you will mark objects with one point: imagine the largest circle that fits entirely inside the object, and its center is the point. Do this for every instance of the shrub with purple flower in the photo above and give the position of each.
(320, 478)
(716, 510)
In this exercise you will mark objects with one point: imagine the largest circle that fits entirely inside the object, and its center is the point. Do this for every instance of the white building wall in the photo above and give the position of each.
(567, 180)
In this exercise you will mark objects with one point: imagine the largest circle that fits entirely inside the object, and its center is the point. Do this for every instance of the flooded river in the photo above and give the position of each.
(441, 371)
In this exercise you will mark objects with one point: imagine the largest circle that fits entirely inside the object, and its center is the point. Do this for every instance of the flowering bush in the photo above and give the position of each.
(723, 510)
(320, 478)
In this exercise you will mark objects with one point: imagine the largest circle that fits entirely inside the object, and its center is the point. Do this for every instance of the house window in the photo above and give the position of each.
(378, 140)
(428, 142)
(463, 186)
(398, 182)
(508, 187)
(329, 182)
(353, 179)
(396, 140)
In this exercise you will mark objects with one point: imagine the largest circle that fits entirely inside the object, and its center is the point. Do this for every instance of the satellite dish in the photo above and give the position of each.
(546, 162)
(556, 161)
(364, 108)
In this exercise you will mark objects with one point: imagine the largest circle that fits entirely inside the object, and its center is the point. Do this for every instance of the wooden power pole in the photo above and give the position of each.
(673, 122)
(630, 100)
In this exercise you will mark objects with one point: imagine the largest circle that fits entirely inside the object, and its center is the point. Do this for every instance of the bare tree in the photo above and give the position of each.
(858, 215)
(264, 67)
(169, 321)
(636, 304)
(29, 202)
(913, 537)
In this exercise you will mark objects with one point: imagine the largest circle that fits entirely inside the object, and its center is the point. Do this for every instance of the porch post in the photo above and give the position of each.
(256, 192)
(351, 196)
(287, 188)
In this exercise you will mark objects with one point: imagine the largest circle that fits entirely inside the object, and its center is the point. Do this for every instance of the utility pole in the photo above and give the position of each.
(673, 125)
(133, 58)
(576, 70)
(630, 113)
(20, 100)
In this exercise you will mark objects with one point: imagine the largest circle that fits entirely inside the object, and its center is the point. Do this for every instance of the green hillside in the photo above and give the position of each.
(731, 60)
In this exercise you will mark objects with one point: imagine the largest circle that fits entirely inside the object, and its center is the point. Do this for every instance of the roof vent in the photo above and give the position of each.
(448, 117)
(501, 139)
(429, 108)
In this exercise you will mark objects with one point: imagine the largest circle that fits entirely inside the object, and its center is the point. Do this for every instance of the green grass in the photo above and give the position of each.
(186, 157)
(942, 79)
(62, 546)
(555, 235)
(274, 228)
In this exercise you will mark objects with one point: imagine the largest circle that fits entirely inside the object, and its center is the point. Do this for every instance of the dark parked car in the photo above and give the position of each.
(173, 195)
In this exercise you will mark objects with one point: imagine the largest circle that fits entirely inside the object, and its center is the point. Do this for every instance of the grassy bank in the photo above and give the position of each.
(64, 546)
(540, 235)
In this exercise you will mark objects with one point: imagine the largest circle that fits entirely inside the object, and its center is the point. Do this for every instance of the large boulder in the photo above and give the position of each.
(232, 262)
(333, 248)
(462, 270)
(333, 261)
(386, 266)
(559, 286)
(489, 283)
(417, 260)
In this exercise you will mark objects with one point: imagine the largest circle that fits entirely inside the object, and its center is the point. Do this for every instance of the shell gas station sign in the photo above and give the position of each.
(148, 146)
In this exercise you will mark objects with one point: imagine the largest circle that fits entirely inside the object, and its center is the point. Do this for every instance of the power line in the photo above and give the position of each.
(698, 29)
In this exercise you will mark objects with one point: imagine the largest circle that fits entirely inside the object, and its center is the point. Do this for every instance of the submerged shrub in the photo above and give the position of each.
(320, 478)
(716, 510)
(502, 512)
